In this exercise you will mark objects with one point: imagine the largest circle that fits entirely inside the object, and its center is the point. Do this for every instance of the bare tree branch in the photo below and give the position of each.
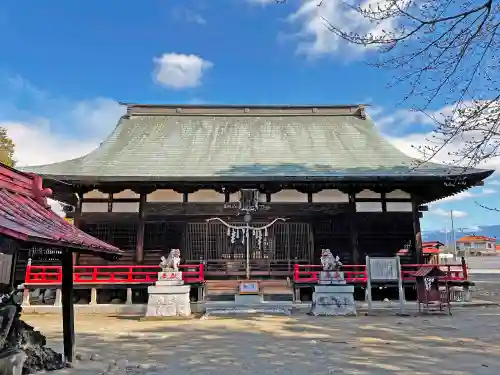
(443, 54)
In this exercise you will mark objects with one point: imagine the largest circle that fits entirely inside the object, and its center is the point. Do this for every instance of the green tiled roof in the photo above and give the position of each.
(220, 142)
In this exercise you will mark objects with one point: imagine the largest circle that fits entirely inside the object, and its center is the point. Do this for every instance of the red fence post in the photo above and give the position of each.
(201, 272)
(28, 274)
(295, 272)
(464, 269)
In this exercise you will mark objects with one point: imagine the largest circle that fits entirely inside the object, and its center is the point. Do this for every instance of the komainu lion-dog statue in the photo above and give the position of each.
(329, 262)
(171, 263)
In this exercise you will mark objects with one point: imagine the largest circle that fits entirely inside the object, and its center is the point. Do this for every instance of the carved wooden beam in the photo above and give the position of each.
(351, 189)
(144, 189)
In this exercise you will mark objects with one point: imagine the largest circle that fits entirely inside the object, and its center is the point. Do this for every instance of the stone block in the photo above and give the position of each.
(334, 289)
(248, 299)
(169, 276)
(172, 289)
(333, 300)
(166, 305)
(12, 363)
(247, 310)
(331, 277)
(169, 282)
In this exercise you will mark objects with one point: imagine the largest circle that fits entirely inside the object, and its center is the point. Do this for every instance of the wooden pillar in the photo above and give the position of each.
(418, 252)
(139, 249)
(77, 219)
(353, 229)
(13, 267)
(67, 305)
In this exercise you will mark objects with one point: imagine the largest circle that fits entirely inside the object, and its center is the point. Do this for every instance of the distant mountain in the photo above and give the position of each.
(488, 230)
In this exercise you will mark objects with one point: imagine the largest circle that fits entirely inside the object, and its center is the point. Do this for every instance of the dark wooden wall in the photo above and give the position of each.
(378, 234)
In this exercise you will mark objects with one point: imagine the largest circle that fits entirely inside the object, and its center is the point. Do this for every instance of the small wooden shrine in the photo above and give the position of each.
(433, 289)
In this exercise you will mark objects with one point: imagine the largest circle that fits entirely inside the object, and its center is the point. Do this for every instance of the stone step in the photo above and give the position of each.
(243, 310)
(271, 287)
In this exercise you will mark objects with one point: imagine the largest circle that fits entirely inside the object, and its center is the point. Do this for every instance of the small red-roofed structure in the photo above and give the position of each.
(26, 216)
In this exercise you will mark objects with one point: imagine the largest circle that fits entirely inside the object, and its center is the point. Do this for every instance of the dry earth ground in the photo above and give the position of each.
(466, 343)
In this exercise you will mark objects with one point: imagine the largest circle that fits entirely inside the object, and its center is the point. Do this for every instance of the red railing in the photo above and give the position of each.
(191, 274)
(357, 273)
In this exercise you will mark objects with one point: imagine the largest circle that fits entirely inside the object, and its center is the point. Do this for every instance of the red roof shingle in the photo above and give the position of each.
(26, 215)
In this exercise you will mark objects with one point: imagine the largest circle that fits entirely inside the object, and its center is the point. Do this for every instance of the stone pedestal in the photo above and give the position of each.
(11, 363)
(332, 297)
(169, 296)
(248, 299)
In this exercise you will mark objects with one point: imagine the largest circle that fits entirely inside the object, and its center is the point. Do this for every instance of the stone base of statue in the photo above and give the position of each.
(169, 297)
(332, 297)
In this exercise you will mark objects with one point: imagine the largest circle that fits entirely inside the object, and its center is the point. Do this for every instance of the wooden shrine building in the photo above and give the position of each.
(166, 169)
(26, 223)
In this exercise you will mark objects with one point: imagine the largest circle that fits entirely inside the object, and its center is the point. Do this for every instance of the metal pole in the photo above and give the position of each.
(446, 237)
(368, 285)
(401, 290)
(453, 236)
(247, 218)
(248, 253)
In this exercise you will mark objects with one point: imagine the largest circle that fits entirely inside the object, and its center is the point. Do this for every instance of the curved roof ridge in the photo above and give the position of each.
(245, 110)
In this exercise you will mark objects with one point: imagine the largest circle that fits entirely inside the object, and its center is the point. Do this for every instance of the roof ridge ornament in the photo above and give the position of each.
(361, 111)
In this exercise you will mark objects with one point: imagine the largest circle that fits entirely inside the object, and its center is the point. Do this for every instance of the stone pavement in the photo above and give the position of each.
(466, 343)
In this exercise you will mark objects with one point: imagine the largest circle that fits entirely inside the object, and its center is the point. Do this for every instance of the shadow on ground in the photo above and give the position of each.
(465, 343)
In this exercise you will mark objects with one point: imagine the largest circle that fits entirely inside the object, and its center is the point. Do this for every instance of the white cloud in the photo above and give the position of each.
(457, 197)
(39, 140)
(408, 143)
(179, 71)
(313, 17)
(97, 116)
(457, 214)
(487, 191)
(456, 149)
(189, 15)
(472, 229)
(494, 182)
(37, 143)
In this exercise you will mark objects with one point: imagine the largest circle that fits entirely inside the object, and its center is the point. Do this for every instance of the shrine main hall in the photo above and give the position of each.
(152, 185)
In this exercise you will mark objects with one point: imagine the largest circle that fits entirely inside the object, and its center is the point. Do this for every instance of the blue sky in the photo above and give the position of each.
(64, 64)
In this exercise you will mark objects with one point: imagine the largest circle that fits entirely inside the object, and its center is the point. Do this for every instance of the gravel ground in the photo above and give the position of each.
(487, 287)
(466, 343)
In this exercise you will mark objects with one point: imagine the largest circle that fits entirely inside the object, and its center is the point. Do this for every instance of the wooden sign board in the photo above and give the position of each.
(249, 287)
(380, 269)
(383, 269)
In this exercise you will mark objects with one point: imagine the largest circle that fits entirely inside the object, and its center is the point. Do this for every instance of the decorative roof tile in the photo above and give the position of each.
(26, 216)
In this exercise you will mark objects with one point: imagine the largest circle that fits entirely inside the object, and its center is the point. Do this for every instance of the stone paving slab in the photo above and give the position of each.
(467, 343)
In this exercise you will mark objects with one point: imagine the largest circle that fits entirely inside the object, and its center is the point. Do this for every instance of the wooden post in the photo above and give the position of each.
(353, 228)
(139, 249)
(67, 306)
(77, 222)
(418, 256)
